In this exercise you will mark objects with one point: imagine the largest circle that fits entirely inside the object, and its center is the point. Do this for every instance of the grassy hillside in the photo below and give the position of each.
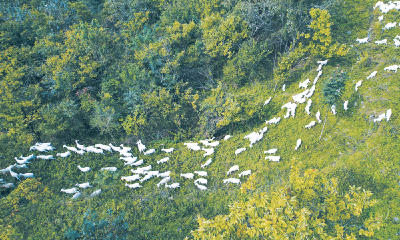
(348, 146)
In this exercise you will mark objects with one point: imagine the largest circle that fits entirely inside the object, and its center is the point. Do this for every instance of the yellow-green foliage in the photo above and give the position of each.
(27, 200)
(224, 107)
(313, 46)
(307, 205)
(159, 105)
(247, 65)
(176, 35)
(352, 19)
(221, 33)
(322, 39)
(18, 100)
(139, 63)
(82, 11)
(130, 28)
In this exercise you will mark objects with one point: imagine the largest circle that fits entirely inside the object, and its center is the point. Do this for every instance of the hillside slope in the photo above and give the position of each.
(348, 146)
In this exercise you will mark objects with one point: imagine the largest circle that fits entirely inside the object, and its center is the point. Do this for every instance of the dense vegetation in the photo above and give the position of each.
(169, 72)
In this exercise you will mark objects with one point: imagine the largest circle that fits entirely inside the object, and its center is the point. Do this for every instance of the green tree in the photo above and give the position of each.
(333, 86)
(248, 65)
(19, 99)
(222, 34)
(105, 119)
(25, 212)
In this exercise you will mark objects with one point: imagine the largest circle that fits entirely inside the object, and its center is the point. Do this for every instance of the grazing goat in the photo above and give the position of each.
(232, 180)
(310, 125)
(392, 68)
(384, 41)
(373, 74)
(362, 40)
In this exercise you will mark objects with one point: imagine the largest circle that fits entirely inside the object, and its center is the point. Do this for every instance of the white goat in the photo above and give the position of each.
(150, 151)
(76, 195)
(209, 161)
(135, 185)
(304, 83)
(390, 25)
(201, 180)
(310, 125)
(130, 163)
(232, 169)
(94, 150)
(333, 109)
(311, 92)
(110, 169)
(299, 98)
(201, 173)
(187, 175)
(83, 185)
(84, 169)
(298, 144)
(239, 150)
(14, 174)
(30, 157)
(147, 177)
(22, 161)
(345, 105)
(117, 149)
(104, 147)
(396, 42)
(26, 175)
(291, 109)
(163, 181)
(271, 151)
(69, 191)
(380, 117)
(273, 158)
(131, 178)
(8, 185)
(45, 157)
(174, 185)
(163, 160)
(362, 40)
(208, 151)
(245, 173)
(274, 120)
(164, 174)
(168, 150)
(227, 137)
(125, 154)
(80, 146)
(141, 146)
(193, 146)
(140, 162)
(42, 147)
(317, 116)
(232, 180)
(373, 74)
(308, 106)
(267, 101)
(384, 41)
(213, 144)
(95, 193)
(322, 62)
(201, 187)
(392, 68)
(388, 114)
(63, 155)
